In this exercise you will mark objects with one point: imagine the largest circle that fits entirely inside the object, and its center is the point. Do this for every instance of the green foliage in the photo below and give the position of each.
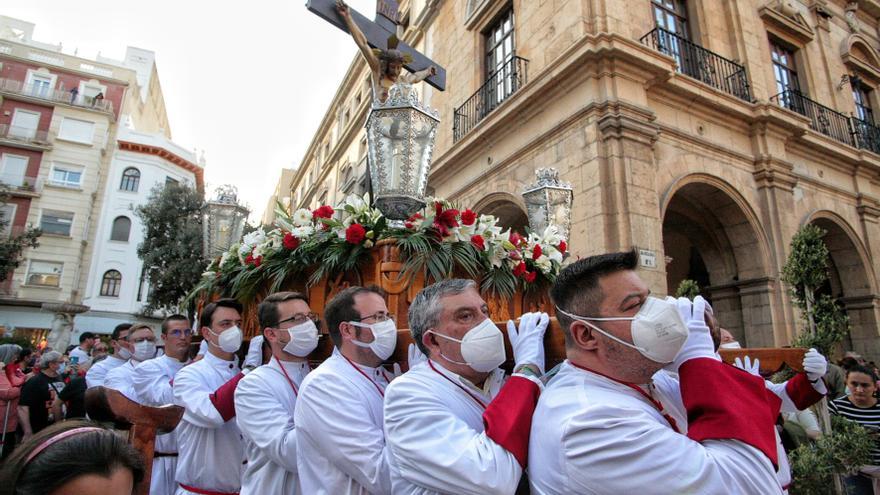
(688, 288)
(814, 465)
(172, 246)
(832, 324)
(12, 247)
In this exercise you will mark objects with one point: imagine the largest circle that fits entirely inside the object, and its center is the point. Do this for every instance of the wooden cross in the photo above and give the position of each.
(378, 32)
(142, 423)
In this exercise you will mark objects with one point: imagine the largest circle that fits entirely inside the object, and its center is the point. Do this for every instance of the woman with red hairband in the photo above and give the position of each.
(72, 458)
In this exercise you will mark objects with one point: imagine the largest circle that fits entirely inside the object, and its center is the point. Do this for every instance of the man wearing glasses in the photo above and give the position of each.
(266, 398)
(141, 341)
(339, 409)
(152, 385)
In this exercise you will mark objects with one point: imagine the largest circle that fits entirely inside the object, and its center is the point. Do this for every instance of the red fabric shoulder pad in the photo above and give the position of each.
(224, 398)
(508, 418)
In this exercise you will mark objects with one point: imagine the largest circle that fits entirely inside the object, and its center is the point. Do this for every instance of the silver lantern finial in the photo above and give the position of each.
(400, 136)
(548, 202)
(223, 221)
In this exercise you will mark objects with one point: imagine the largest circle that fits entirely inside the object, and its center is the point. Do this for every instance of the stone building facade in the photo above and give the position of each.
(704, 132)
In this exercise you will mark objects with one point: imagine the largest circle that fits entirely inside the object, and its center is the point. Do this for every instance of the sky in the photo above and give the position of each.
(248, 84)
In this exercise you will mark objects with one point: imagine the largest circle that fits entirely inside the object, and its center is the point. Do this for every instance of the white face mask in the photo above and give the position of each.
(144, 350)
(303, 339)
(731, 345)
(384, 338)
(657, 330)
(123, 353)
(482, 347)
(230, 339)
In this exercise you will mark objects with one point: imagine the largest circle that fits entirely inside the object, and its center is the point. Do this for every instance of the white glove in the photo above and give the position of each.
(699, 342)
(396, 371)
(528, 341)
(815, 366)
(746, 364)
(414, 356)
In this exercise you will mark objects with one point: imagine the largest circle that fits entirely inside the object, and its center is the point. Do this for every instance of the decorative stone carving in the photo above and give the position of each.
(852, 21)
(784, 17)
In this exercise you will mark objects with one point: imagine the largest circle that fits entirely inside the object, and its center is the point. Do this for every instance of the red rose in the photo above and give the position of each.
(516, 239)
(355, 233)
(257, 261)
(520, 269)
(291, 242)
(468, 217)
(323, 212)
(250, 260)
(411, 221)
(536, 252)
(562, 247)
(444, 219)
(477, 241)
(530, 276)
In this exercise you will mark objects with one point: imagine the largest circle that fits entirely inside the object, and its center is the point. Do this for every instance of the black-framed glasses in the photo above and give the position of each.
(177, 332)
(300, 318)
(379, 317)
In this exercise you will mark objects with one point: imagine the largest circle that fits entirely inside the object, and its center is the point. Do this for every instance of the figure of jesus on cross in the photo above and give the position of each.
(385, 64)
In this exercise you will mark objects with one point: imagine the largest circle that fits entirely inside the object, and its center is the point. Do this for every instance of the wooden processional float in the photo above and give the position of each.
(383, 270)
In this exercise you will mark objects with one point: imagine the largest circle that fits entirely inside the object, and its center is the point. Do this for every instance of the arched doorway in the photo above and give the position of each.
(850, 283)
(710, 235)
(505, 207)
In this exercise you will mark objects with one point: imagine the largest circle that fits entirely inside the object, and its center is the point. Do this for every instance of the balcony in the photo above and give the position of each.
(23, 136)
(701, 64)
(824, 120)
(498, 87)
(867, 135)
(17, 185)
(39, 92)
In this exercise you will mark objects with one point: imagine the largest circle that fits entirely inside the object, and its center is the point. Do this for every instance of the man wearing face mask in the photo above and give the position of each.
(265, 399)
(210, 446)
(339, 408)
(121, 353)
(453, 424)
(152, 385)
(600, 425)
(141, 341)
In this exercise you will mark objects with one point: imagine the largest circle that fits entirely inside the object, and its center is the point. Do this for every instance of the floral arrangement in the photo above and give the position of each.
(438, 241)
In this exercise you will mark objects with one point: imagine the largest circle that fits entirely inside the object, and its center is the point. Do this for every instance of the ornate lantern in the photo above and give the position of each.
(548, 201)
(400, 133)
(223, 221)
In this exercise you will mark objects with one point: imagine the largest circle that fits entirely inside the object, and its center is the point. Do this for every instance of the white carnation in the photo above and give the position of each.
(302, 217)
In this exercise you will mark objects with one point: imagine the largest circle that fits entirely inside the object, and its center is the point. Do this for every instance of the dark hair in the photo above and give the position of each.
(92, 452)
(576, 289)
(862, 369)
(341, 309)
(171, 318)
(849, 363)
(208, 311)
(85, 336)
(268, 308)
(122, 327)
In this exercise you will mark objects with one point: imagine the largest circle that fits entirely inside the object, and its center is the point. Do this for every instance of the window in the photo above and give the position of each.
(169, 181)
(24, 124)
(80, 131)
(671, 15)
(56, 222)
(121, 229)
(7, 218)
(784, 68)
(65, 175)
(12, 169)
(44, 273)
(110, 283)
(40, 85)
(131, 177)
(862, 97)
(500, 50)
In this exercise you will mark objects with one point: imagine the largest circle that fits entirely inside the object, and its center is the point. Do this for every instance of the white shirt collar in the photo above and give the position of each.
(485, 390)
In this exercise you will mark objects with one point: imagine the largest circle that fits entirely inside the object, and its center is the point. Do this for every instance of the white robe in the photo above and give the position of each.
(264, 406)
(436, 439)
(98, 372)
(152, 384)
(339, 429)
(121, 378)
(592, 435)
(210, 449)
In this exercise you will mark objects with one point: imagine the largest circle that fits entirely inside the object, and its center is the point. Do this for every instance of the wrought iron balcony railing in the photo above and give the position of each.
(55, 95)
(24, 134)
(829, 122)
(867, 134)
(498, 87)
(700, 63)
(25, 185)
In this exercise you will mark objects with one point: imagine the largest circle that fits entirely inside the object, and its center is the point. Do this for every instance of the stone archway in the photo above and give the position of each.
(507, 208)
(711, 235)
(851, 283)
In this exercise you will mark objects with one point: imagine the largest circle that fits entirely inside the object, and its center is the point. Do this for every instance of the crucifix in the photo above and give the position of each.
(377, 34)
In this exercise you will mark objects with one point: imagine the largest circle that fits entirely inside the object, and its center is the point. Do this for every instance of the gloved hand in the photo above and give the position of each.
(414, 356)
(746, 364)
(528, 341)
(396, 371)
(699, 342)
(815, 366)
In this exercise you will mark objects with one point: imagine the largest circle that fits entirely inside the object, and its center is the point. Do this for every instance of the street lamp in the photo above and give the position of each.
(548, 201)
(223, 221)
(400, 134)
